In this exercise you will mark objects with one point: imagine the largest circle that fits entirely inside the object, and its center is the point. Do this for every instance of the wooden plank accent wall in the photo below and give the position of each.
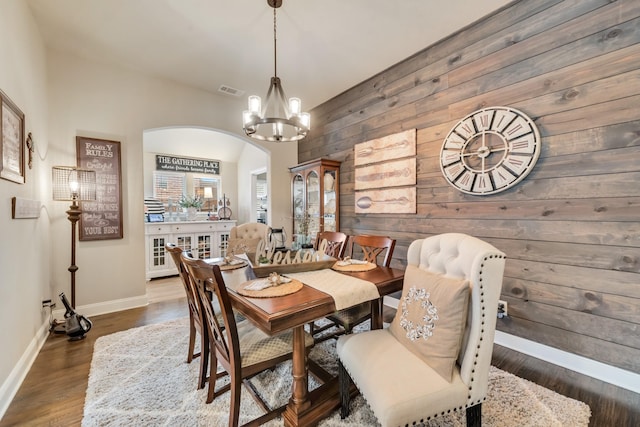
(571, 229)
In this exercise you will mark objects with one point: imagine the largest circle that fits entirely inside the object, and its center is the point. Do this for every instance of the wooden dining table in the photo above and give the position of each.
(293, 312)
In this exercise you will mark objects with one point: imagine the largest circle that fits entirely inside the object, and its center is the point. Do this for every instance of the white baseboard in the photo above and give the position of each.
(17, 375)
(106, 307)
(10, 387)
(603, 372)
(592, 368)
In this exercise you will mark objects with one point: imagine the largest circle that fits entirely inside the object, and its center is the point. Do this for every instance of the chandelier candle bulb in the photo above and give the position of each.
(295, 106)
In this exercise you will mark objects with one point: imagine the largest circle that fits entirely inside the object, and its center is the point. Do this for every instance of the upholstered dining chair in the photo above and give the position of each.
(240, 348)
(244, 238)
(195, 316)
(374, 249)
(435, 356)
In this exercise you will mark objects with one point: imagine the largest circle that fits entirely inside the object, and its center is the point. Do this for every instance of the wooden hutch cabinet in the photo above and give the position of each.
(315, 188)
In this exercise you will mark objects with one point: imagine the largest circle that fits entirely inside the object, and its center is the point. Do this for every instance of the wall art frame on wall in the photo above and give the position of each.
(398, 145)
(101, 219)
(400, 200)
(11, 141)
(395, 173)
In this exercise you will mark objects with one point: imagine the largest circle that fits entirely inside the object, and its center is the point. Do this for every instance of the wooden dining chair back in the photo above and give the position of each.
(195, 316)
(437, 351)
(374, 249)
(240, 348)
(336, 243)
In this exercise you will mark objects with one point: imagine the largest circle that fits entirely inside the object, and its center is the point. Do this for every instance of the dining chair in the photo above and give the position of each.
(195, 316)
(240, 348)
(375, 249)
(435, 356)
(244, 238)
(336, 243)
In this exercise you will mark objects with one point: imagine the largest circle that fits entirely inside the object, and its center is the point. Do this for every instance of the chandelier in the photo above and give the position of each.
(287, 121)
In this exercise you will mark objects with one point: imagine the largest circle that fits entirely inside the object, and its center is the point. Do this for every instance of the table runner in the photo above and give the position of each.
(346, 291)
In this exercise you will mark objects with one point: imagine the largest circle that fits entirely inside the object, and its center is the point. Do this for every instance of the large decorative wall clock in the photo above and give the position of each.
(490, 150)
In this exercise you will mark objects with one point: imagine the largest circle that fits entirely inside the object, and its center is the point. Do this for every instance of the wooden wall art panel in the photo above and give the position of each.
(570, 229)
(387, 174)
(389, 201)
(402, 144)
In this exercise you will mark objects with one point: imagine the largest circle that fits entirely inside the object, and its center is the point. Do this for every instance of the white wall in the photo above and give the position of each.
(24, 248)
(62, 97)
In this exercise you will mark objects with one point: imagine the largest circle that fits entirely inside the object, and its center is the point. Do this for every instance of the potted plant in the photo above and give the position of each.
(263, 260)
(191, 204)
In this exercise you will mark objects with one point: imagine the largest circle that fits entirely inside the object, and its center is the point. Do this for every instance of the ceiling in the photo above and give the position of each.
(324, 46)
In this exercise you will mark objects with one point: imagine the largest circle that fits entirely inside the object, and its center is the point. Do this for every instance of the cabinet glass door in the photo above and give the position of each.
(204, 246)
(313, 204)
(329, 200)
(158, 252)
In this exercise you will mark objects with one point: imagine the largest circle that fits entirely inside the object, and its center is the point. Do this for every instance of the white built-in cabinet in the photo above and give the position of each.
(206, 239)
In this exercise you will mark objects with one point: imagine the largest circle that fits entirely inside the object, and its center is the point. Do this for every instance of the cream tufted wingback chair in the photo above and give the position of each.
(244, 238)
(396, 369)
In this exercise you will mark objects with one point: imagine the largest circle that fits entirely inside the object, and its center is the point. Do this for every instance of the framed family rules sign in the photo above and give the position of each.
(101, 219)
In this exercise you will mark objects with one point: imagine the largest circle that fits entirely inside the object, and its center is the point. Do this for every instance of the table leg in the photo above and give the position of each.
(376, 314)
(299, 390)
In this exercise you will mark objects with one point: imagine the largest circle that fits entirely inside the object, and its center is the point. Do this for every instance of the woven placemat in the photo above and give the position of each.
(227, 267)
(354, 267)
(270, 292)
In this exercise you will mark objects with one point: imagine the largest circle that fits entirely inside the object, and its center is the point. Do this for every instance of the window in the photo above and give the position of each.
(168, 187)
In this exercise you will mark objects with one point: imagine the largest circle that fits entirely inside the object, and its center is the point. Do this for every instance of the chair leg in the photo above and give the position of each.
(205, 360)
(234, 410)
(474, 416)
(345, 384)
(192, 339)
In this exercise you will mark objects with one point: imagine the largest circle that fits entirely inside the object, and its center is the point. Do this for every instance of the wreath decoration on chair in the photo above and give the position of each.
(417, 331)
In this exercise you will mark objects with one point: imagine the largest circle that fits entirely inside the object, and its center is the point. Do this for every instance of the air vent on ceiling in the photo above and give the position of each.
(230, 91)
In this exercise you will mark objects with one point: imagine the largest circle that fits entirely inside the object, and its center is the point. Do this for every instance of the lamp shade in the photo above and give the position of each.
(71, 183)
(208, 193)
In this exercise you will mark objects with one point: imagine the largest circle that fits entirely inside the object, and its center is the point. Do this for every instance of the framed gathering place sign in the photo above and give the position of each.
(101, 219)
(11, 141)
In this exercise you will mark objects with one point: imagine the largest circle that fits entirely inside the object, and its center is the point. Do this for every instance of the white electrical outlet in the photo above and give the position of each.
(502, 309)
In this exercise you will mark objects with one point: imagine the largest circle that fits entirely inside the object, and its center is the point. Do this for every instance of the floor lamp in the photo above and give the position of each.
(73, 184)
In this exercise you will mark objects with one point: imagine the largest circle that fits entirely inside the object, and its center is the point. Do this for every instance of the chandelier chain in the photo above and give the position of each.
(275, 46)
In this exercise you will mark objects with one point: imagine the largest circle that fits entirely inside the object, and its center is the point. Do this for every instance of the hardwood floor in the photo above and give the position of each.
(53, 392)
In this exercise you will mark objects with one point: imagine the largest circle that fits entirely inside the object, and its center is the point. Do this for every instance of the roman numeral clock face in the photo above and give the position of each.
(490, 150)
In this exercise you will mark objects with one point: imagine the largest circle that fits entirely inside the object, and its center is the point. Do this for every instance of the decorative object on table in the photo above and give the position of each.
(191, 204)
(224, 211)
(73, 184)
(256, 122)
(11, 141)
(282, 262)
(101, 219)
(490, 150)
(25, 208)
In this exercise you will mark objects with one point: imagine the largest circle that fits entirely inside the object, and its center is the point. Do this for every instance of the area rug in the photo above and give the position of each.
(140, 377)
